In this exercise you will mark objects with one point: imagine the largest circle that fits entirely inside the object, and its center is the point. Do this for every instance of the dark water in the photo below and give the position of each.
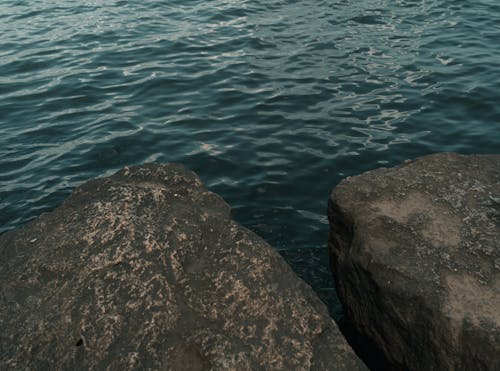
(270, 102)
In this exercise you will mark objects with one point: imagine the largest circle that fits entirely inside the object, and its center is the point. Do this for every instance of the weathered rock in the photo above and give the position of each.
(146, 270)
(416, 257)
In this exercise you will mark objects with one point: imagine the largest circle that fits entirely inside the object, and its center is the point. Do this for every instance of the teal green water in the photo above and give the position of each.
(270, 102)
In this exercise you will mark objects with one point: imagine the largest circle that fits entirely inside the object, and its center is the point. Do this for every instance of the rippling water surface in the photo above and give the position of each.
(270, 102)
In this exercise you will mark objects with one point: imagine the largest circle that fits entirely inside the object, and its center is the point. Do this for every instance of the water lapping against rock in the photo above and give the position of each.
(270, 102)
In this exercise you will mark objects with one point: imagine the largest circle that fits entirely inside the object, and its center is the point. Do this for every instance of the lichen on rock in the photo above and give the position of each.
(146, 270)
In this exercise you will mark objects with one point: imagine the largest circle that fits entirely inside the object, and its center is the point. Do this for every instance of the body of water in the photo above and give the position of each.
(270, 102)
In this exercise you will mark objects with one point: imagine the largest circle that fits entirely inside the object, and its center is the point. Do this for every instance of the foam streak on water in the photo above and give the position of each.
(271, 102)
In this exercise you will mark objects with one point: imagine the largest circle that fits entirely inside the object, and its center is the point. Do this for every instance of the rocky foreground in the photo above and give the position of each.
(416, 256)
(146, 270)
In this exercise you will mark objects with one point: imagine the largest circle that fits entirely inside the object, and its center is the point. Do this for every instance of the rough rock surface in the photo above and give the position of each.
(146, 270)
(416, 256)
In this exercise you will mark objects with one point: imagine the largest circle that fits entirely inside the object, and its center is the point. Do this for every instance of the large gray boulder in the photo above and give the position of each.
(416, 256)
(146, 270)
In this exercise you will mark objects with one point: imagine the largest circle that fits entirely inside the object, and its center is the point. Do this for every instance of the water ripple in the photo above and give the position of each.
(271, 102)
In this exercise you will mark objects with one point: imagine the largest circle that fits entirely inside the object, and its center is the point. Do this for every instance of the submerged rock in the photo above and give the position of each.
(146, 270)
(416, 257)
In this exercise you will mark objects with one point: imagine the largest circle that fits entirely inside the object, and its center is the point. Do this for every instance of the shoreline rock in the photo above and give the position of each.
(415, 252)
(146, 270)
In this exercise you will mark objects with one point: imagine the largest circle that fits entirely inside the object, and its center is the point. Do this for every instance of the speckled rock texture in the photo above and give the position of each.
(146, 270)
(416, 256)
